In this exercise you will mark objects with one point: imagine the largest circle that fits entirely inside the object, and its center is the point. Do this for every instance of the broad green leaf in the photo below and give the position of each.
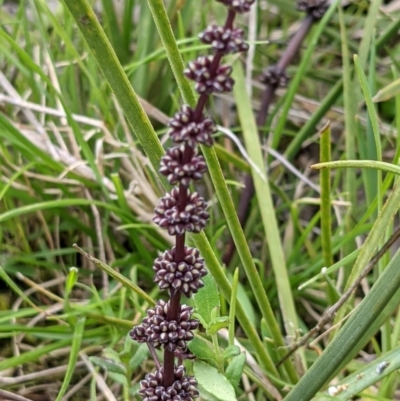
(205, 395)
(128, 344)
(116, 370)
(214, 382)
(109, 353)
(119, 378)
(207, 299)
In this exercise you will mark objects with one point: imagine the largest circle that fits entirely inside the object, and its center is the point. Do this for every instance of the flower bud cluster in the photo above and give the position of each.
(190, 130)
(176, 219)
(316, 8)
(158, 330)
(274, 77)
(184, 276)
(224, 40)
(183, 387)
(177, 171)
(207, 80)
(169, 325)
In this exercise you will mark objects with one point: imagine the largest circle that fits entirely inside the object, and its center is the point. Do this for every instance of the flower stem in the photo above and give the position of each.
(169, 375)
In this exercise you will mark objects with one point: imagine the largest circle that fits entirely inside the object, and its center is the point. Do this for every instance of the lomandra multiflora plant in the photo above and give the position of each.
(180, 270)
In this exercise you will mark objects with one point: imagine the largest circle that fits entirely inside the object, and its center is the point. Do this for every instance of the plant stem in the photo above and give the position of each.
(169, 361)
(217, 352)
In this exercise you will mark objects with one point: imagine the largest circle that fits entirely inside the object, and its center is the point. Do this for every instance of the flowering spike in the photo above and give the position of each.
(180, 270)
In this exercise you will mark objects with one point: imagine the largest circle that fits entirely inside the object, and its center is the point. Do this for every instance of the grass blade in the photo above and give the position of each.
(304, 65)
(117, 79)
(174, 57)
(344, 342)
(267, 211)
(75, 347)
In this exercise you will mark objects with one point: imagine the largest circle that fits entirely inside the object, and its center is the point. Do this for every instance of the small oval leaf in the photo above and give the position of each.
(214, 382)
(231, 351)
(111, 354)
(235, 369)
(119, 378)
(218, 324)
(207, 298)
(138, 357)
(108, 365)
(200, 349)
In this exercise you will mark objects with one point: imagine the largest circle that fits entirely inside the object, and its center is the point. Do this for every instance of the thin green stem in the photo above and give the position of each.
(326, 217)
(217, 352)
(382, 166)
(232, 309)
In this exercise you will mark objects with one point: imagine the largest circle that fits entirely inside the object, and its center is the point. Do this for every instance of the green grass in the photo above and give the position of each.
(84, 101)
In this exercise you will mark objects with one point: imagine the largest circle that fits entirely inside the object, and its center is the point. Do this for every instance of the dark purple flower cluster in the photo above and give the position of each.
(183, 387)
(274, 77)
(190, 130)
(224, 40)
(316, 8)
(180, 270)
(171, 215)
(209, 80)
(184, 276)
(177, 170)
(158, 330)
